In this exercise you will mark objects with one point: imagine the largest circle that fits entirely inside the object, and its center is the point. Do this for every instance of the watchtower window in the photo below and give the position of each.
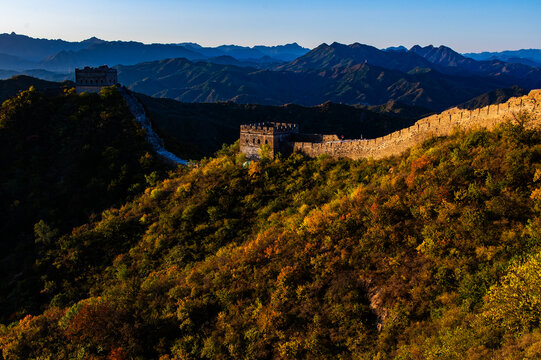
(246, 141)
(253, 141)
(258, 141)
(266, 142)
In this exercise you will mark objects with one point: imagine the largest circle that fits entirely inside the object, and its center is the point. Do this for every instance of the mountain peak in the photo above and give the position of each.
(93, 40)
(442, 55)
(336, 44)
(351, 56)
(418, 48)
(399, 48)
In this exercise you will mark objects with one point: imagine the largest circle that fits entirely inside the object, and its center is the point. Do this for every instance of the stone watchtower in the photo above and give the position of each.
(276, 135)
(93, 79)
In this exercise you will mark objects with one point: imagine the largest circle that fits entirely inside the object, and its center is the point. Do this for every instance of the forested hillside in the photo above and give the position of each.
(16, 84)
(434, 254)
(64, 158)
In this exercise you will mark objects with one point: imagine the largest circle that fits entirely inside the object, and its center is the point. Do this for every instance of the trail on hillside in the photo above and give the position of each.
(138, 111)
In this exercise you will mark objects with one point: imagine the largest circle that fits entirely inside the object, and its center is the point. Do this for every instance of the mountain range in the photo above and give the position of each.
(435, 78)
(432, 77)
(20, 52)
(524, 56)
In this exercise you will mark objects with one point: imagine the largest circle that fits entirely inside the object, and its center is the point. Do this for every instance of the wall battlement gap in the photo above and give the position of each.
(286, 138)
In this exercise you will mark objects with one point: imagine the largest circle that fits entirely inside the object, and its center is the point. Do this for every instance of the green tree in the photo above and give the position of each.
(515, 303)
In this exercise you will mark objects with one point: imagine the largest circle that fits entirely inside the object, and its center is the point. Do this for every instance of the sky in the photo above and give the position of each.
(464, 25)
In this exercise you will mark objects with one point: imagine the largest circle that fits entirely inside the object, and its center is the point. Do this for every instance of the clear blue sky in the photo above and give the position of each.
(465, 25)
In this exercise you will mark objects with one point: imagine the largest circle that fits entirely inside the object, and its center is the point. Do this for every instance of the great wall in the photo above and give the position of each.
(138, 111)
(286, 138)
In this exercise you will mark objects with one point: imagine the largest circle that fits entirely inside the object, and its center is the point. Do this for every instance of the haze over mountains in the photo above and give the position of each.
(525, 56)
(431, 77)
(20, 52)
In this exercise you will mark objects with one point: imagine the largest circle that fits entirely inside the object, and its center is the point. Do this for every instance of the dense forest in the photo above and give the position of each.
(434, 254)
(64, 158)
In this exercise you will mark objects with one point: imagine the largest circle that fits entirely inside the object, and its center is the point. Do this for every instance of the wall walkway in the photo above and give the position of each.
(138, 111)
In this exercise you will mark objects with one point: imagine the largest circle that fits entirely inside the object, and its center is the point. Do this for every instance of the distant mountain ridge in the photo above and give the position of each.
(284, 53)
(442, 59)
(339, 55)
(35, 50)
(494, 97)
(396, 48)
(20, 52)
(188, 81)
(431, 77)
(435, 78)
(523, 56)
(117, 52)
(448, 61)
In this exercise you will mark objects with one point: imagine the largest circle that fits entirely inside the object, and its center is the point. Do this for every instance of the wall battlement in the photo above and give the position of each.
(270, 127)
(93, 79)
(435, 125)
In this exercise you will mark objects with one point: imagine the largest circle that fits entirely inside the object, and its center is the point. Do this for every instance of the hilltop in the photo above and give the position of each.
(18, 83)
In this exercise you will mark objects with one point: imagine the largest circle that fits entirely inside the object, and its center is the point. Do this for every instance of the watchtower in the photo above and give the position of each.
(275, 135)
(93, 79)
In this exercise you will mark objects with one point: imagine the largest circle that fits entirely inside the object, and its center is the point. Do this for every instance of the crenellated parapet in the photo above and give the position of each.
(93, 79)
(270, 128)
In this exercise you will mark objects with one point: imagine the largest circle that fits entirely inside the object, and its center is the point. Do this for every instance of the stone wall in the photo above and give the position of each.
(435, 125)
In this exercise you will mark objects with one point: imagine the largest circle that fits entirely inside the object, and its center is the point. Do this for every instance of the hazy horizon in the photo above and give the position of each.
(252, 45)
(466, 27)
